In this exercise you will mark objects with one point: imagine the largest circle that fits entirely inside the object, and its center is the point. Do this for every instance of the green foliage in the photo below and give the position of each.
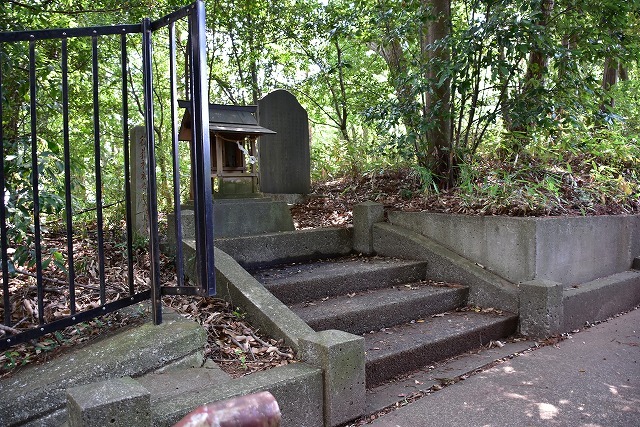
(377, 89)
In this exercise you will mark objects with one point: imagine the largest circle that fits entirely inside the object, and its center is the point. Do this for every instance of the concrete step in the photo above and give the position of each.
(396, 393)
(402, 349)
(375, 309)
(296, 283)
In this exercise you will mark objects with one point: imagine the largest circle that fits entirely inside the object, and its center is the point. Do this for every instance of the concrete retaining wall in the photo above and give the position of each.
(568, 250)
(485, 288)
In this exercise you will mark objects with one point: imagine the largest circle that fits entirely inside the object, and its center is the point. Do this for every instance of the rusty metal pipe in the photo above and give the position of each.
(254, 410)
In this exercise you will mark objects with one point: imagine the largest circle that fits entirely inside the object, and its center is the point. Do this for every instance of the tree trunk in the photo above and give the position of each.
(394, 56)
(609, 78)
(534, 77)
(440, 155)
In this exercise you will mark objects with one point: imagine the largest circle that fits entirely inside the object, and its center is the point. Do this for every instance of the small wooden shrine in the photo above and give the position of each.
(234, 131)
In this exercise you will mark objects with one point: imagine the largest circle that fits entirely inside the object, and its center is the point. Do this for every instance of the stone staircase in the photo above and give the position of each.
(408, 322)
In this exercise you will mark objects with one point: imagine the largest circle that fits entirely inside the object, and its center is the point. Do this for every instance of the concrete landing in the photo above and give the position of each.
(239, 217)
(40, 390)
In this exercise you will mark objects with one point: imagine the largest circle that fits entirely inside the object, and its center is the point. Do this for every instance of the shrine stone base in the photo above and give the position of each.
(238, 217)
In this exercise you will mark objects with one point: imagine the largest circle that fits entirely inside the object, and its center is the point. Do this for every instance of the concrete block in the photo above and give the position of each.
(505, 246)
(41, 389)
(364, 216)
(237, 217)
(541, 309)
(341, 357)
(297, 388)
(569, 250)
(575, 250)
(120, 402)
(601, 298)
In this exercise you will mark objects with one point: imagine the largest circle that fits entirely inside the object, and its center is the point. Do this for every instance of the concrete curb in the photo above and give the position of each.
(297, 388)
(600, 299)
(265, 311)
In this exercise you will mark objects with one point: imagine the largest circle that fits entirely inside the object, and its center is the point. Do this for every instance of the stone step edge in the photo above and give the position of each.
(365, 312)
(451, 345)
(348, 281)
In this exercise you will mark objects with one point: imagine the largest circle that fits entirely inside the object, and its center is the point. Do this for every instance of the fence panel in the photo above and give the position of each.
(35, 253)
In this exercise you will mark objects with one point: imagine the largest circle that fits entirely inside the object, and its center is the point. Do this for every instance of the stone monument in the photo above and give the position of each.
(285, 162)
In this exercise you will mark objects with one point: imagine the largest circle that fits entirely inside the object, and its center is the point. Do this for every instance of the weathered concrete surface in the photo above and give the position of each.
(238, 217)
(579, 249)
(568, 250)
(297, 388)
(340, 355)
(276, 248)
(164, 385)
(376, 309)
(486, 288)
(400, 349)
(601, 298)
(385, 395)
(504, 245)
(41, 389)
(364, 216)
(589, 380)
(119, 402)
(241, 289)
(301, 282)
(541, 308)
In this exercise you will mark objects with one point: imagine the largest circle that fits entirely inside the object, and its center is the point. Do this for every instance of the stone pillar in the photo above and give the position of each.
(138, 174)
(341, 357)
(120, 402)
(364, 216)
(541, 308)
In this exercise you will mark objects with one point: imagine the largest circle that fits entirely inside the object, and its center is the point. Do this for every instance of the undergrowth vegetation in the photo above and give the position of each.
(579, 171)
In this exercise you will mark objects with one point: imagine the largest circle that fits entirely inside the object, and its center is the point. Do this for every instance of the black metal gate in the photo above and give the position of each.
(197, 94)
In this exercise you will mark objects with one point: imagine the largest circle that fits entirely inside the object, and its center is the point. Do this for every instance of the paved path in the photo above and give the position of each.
(590, 380)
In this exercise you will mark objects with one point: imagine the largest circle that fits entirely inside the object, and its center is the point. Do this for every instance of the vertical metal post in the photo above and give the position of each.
(195, 171)
(3, 218)
(98, 168)
(127, 166)
(176, 154)
(67, 176)
(152, 200)
(200, 107)
(35, 179)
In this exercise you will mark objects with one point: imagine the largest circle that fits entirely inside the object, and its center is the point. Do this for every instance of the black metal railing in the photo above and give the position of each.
(196, 91)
